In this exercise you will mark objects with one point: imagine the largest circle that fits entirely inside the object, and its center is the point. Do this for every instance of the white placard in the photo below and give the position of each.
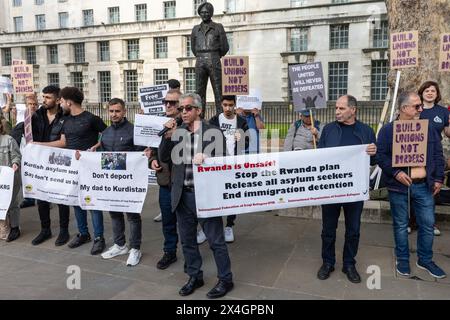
(113, 181)
(146, 128)
(50, 174)
(21, 108)
(6, 85)
(6, 190)
(151, 99)
(253, 100)
(273, 181)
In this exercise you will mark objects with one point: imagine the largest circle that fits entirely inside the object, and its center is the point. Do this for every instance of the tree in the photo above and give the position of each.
(431, 18)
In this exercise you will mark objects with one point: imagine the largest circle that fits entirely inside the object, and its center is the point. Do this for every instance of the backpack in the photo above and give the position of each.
(298, 124)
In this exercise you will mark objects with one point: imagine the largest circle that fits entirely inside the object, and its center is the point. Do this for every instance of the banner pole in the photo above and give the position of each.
(312, 124)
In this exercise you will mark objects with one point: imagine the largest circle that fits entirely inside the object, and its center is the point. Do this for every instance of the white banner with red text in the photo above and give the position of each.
(6, 190)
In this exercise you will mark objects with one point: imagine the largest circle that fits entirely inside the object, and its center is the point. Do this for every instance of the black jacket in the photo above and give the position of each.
(38, 125)
(119, 137)
(240, 124)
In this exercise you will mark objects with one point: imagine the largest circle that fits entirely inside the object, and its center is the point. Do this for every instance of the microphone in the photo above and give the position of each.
(163, 131)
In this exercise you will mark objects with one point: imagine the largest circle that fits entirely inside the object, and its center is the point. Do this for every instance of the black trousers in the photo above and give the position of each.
(44, 215)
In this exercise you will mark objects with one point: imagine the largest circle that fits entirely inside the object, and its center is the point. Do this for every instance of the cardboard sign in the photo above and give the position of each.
(235, 79)
(405, 49)
(444, 53)
(252, 101)
(308, 86)
(151, 99)
(409, 145)
(22, 75)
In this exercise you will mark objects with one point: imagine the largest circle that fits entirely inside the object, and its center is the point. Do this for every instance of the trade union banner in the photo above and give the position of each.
(272, 181)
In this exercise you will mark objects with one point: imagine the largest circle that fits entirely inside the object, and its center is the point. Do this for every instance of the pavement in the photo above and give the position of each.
(273, 257)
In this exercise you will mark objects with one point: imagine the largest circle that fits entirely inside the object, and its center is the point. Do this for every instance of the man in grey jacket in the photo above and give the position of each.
(302, 132)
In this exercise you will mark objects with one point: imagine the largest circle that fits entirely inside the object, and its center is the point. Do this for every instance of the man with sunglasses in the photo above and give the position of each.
(421, 190)
(169, 218)
(188, 146)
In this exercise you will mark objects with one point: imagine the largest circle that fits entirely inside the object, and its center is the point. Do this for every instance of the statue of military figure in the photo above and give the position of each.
(209, 44)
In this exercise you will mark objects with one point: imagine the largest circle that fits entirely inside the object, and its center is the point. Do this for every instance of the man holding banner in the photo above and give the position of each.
(186, 148)
(345, 131)
(421, 148)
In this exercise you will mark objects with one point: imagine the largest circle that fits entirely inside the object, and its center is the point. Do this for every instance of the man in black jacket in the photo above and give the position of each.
(188, 145)
(47, 124)
(234, 128)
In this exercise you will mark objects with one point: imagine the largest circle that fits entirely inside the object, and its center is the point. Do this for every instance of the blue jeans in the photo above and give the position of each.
(330, 219)
(423, 203)
(169, 221)
(97, 221)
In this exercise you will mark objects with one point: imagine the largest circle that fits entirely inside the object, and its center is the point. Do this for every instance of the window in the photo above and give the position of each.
(299, 39)
(197, 4)
(38, 2)
(63, 19)
(114, 14)
(161, 76)
(141, 12)
(18, 24)
(230, 39)
(103, 51)
(76, 79)
(133, 49)
(88, 17)
(189, 80)
(30, 54)
(339, 36)
(40, 22)
(17, 3)
(160, 47)
(380, 36)
(378, 83)
(131, 85)
(52, 54)
(230, 6)
(187, 41)
(104, 80)
(337, 79)
(297, 3)
(169, 9)
(78, 52)
(53, 79)
(6, 57)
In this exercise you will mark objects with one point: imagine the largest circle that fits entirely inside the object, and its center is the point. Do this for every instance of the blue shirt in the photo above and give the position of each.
(347, 137)
(438, 117)
(253, 146)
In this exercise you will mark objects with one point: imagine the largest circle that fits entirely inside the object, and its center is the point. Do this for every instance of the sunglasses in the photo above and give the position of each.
(170, 102)
(187, 108)
(417, 106)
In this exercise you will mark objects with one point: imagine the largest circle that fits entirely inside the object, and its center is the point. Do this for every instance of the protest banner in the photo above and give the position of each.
(6, 190)
(28, 132)
(50, 174)
(21, 108)
(444, 53)
(146, 129)
(404, 49)
(22, 75)
(235, 76)
(271, 181)
(151, 99)
(308, 86)
(252, 101)
(113, 181)
(409, 145)
(6, 85)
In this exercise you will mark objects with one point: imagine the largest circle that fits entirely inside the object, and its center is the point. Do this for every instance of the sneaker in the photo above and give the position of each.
(134, 257)
(436, 231)
(432, 269)
(229, 236)
(115, 251)
(166, 260)
(201, 237)
(409, 230)
(4, 229)
(79, 240)
(45, 234)
(98, 246)
(158, 218)
(403, 268)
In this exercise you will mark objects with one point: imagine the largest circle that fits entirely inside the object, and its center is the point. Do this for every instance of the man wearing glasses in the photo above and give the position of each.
(421, 190)
(188, 145)
(169, 219)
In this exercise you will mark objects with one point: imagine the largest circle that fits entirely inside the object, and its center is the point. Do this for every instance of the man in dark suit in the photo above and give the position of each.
(190, 148)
